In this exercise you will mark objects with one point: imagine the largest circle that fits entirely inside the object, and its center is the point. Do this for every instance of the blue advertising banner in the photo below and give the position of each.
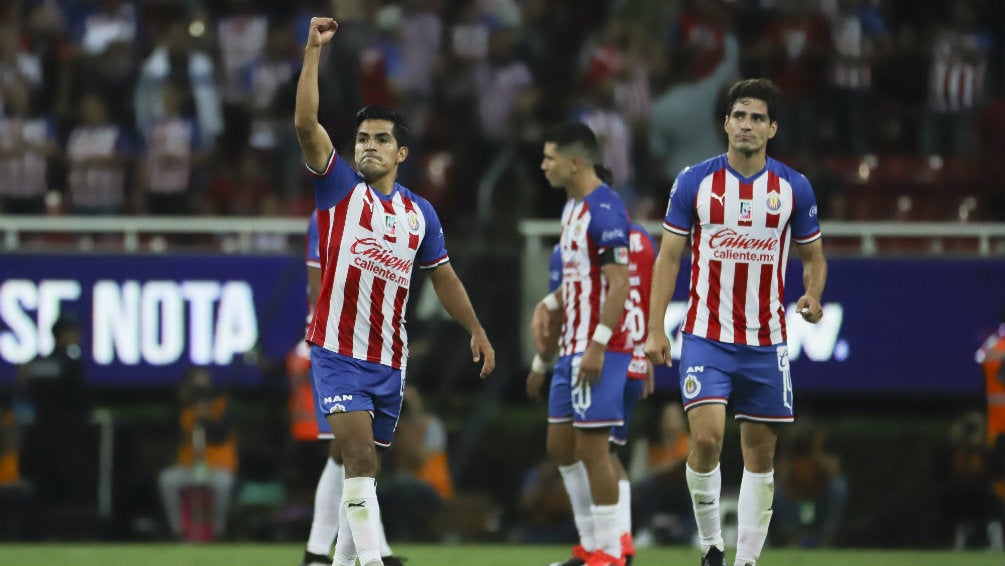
(889, 325)
(146, 319)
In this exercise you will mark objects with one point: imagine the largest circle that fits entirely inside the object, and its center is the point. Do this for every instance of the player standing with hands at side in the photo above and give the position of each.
(372, 231)
(587, 387)
(739, 210)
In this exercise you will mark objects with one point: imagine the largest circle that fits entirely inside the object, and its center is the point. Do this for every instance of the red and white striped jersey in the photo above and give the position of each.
(641, 256)
(956, 76)
(590, 227)
(368, 244)
(740, 230)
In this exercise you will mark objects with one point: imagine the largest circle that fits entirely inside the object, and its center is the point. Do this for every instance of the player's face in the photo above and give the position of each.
(557, 166)
(748, 126)
(377, 152)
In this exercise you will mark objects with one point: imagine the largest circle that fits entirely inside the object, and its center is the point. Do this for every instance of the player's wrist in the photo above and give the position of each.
(538, 365)
(602, 334)
(550, 302)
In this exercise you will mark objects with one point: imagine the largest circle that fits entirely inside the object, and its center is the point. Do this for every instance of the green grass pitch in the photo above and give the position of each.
(283, 554)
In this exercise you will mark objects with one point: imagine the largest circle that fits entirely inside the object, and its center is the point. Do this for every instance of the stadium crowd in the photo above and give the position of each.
(893, 110)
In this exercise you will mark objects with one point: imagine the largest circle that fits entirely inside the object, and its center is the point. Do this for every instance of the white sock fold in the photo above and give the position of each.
(577, 485)
(327, 502)
(705, 489)
(757, 492)
(363, 514)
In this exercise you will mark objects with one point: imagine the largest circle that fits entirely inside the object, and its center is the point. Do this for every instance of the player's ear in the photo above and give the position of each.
(402, 153)
(772, 130)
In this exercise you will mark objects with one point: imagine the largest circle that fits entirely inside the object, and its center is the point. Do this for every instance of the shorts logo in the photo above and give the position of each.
(337, 398)
(783, 358)
(581, 393)
(338, 408)
(691, 386)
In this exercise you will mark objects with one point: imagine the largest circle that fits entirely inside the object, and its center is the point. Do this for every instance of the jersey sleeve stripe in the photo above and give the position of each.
(435, 263)
(807, 239)
(328, 167)
(676, 229)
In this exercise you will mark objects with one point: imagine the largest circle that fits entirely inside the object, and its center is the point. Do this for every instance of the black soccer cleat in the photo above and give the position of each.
(714, 557)
(393, 560)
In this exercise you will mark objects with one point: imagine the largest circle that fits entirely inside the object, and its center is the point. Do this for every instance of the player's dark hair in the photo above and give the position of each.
(574, 134)
(400, 130)
(759, 89)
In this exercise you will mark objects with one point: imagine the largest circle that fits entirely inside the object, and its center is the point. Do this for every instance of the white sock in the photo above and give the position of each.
(363, 514)
(327, 502)
(705, 490)
(607, 529)
(345, 549)
(757, 491)
(624, 506)
(577, 485)
(385, 549)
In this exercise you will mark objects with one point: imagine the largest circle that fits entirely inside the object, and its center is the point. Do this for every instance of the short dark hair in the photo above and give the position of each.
(760, 89)
(402, 133)
(569, 134)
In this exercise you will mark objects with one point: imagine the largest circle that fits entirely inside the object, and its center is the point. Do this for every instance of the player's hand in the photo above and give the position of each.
(590, 365)
(658, 349)
(540, 328)
(535, 381)
(810, 309)
(321, 31)
(481, 349)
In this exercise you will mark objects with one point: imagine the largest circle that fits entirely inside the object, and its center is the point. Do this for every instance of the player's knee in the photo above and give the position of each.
(706, 445)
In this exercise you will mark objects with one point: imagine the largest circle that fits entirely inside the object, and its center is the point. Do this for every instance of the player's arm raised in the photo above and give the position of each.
(454, 299)
(314, 140)
(664, 280)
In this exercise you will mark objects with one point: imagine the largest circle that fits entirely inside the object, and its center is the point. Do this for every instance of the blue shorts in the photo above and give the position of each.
(599, 406)
(343, 385)
(633, 390)
(754, 381)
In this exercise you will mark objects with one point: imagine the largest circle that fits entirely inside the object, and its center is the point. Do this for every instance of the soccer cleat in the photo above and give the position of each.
(393, 560)
(628, 548)
(601, 558)
(714, 557)
(311, 559)
(579, 557)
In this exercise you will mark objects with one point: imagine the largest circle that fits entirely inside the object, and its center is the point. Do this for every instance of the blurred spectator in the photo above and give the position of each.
(26, 144)
(265, 77)
(421, 45)
(794, 54)
(203, 476)
(614, 138)
(959, 61)
(176, 60)
(545, 513)
(991, 356)
(382, 60)
(17, 65)
(857, 32)
(968, 505)
(702, 26)
(419, 483)
(810, 490)
(173, 146)
(242, 34)
(662, 502)
(686, 118)
(15, 493)
(98, 152)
